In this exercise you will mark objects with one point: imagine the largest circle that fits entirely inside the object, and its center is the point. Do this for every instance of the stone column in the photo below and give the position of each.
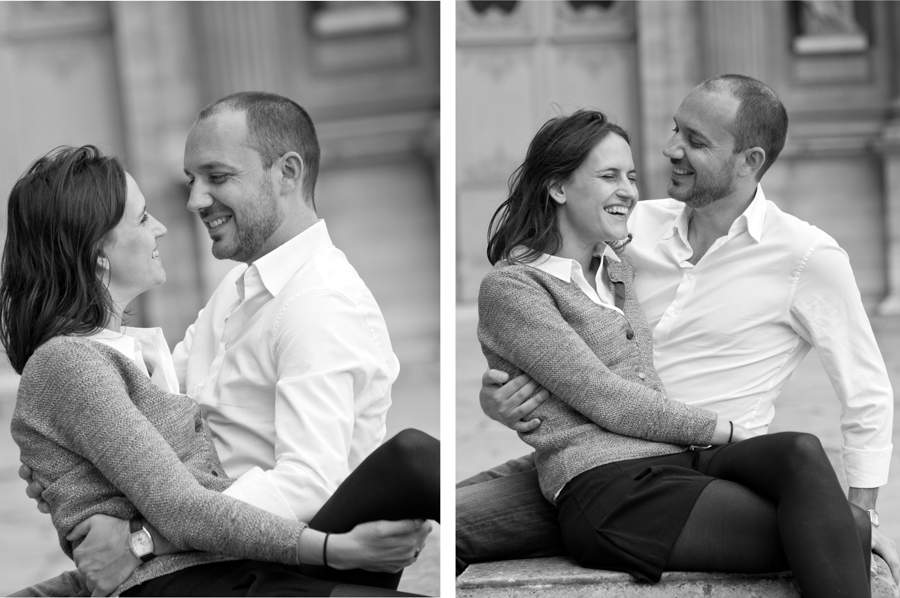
(669, 53)
(157, 69)
(889, 148)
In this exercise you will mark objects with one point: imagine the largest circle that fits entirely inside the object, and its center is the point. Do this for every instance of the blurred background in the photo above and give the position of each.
(130, 77)
(836, 67)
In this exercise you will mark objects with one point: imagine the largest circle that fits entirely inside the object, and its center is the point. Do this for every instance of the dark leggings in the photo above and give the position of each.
(776, 504)
(399, 480)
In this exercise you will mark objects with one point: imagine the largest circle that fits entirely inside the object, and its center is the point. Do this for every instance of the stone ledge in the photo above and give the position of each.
(561, 577)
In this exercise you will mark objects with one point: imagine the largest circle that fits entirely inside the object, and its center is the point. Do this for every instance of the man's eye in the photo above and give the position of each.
(217, 178)
(190, 183)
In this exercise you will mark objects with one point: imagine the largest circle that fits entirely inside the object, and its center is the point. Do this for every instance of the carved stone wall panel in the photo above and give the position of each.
(497, 22)
(371, 72)
(600, 76)
(737, 36)
(495, 109)
(612, 20)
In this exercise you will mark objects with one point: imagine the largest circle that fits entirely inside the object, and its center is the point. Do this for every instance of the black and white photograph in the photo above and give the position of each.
(678, 298)
(220, 296)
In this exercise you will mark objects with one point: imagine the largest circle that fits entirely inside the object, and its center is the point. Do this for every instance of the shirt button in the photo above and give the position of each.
(671, 313)
(227, 345)
(690, 277)
(629, 335)
(198, 389)
(642, 376)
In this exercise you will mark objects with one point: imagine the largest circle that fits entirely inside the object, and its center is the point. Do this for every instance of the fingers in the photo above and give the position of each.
(518, 389)
(79, 531)
(33, 490)
(525, 426)
(25, 472)
(494, 378)
(530, 404)
(400, 528)
(886, 549)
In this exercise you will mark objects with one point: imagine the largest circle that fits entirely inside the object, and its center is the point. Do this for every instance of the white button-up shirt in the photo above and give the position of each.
(729, 331)
(292, 366)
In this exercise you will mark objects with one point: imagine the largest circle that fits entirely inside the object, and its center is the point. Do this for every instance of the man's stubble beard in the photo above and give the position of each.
(258, 222)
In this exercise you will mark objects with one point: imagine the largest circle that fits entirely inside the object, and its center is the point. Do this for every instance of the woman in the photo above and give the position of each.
(103, 434)
(617, 457)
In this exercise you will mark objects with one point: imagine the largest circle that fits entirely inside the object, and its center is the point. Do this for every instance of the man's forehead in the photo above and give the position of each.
(707, 112)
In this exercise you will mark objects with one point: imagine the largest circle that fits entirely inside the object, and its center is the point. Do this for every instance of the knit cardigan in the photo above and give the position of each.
(101, 438)
(607, 402)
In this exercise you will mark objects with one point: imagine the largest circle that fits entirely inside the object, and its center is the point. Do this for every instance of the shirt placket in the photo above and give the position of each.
(679, 250)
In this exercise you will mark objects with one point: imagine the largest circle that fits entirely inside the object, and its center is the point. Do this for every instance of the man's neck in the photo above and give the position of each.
(290, 227)
(709, 223)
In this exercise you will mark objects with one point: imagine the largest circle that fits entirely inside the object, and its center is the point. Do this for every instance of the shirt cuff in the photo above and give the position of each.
(866, 468)
(255, 488)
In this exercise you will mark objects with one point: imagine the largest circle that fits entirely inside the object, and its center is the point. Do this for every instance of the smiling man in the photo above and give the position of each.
(736, 293)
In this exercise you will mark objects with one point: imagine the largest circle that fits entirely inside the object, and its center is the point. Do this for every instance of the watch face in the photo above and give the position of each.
(141, 543)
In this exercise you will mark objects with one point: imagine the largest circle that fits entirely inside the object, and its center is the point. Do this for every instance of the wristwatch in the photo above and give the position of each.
(140, 542)
(873, 516)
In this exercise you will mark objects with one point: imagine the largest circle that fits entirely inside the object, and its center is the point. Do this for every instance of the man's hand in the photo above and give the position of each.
(34, 489)
(103, 558)
(509, 404)
(384, 546)
(886, 549)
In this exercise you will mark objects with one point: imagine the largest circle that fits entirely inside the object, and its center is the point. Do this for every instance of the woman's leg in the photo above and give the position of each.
(399, 480)
(815, 523)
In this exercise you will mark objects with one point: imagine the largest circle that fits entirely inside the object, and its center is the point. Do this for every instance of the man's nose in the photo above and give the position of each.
(673, 149)
(199, 199)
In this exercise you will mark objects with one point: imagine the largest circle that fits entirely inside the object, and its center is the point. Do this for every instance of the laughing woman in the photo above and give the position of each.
(100, 423)
(634, 491)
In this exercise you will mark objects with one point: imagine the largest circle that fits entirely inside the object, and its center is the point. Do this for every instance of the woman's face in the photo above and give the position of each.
(132, 254)
(594, 203)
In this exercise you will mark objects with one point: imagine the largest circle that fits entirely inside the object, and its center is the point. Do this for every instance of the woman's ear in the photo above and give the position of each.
(557, 192)
(103, 262)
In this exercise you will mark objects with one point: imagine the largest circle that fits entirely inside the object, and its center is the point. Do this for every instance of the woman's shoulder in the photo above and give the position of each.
(514, 275)
(67, 352)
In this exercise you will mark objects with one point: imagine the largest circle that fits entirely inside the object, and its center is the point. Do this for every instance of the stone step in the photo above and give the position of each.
(561, 577)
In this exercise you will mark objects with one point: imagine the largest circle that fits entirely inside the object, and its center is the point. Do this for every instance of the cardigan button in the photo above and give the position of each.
(629, 335)
(642, 376)
(215, 473)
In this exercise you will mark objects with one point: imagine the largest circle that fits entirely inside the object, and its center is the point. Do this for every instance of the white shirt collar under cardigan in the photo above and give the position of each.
(143, 345)
(568, 270)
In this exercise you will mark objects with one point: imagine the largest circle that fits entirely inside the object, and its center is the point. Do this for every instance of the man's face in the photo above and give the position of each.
(701, 149)
(230, 191)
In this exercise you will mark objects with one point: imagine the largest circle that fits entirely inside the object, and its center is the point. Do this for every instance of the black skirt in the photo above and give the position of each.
(626, 516)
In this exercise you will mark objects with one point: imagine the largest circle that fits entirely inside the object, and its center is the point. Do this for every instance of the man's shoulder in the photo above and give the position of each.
(789, 229)
(327, 271)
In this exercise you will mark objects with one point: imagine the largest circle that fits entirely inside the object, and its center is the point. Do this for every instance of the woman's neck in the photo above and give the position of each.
(584, 255)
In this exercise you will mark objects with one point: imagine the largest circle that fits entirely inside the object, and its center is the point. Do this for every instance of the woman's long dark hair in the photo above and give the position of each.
(528, 216)
(59, 215)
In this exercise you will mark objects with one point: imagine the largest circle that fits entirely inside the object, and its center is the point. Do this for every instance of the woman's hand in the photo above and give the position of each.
(383, 546)
(724, 431)
(34, 489)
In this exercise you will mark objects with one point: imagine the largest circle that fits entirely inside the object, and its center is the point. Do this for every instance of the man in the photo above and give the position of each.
(736, 293)
(290, 360)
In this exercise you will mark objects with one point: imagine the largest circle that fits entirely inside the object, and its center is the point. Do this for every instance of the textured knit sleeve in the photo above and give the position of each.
(84, 403)
(520, 325)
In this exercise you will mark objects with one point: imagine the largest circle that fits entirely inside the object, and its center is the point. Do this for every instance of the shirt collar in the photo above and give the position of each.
(752, 219)
(125, 342)
(561, 267)
(277, 267)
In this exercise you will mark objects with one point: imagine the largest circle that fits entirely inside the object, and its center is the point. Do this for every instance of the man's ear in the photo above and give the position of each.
(754, 158)
(557, 192)
(292, 171)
